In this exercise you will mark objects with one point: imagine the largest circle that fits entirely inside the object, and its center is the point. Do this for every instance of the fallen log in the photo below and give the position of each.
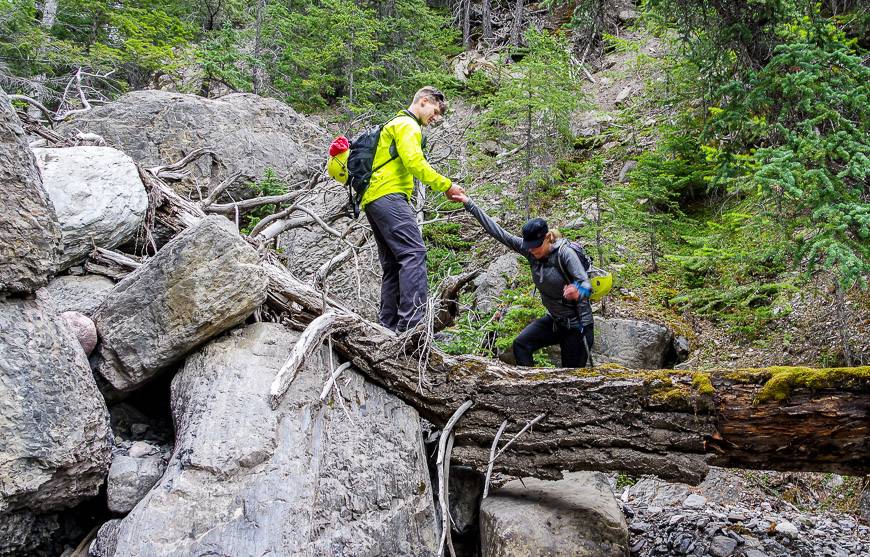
(670, 423)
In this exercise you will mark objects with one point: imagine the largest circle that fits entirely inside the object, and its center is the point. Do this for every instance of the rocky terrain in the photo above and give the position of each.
(136, 364)
(726, 515)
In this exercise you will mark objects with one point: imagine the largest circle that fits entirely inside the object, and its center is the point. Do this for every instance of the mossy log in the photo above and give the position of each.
(665, 422)
(670, 423)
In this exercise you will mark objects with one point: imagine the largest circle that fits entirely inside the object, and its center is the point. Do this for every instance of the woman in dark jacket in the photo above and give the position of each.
(569, 320)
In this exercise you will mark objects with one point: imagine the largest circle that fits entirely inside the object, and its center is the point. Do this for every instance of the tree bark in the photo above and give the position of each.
(516, 31)
(466, 24)
(487, 20)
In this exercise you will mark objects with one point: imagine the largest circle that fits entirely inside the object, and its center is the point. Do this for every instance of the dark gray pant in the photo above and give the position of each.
(545, 332)
(404, 287)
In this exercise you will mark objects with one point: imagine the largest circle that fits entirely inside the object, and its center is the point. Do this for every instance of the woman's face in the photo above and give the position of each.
(541, 251)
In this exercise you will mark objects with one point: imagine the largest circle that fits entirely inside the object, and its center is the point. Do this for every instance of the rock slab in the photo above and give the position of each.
(305, 479)
(493, 282)
(576, 516)
(29, 231)
(248, 133)
(631, 343)
(55, 441)
(203, 282)
(97, 195)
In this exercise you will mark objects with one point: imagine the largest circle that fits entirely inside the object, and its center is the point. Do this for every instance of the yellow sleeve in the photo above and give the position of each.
(408, 138)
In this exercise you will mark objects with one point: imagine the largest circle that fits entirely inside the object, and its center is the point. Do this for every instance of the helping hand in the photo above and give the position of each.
(456, 193)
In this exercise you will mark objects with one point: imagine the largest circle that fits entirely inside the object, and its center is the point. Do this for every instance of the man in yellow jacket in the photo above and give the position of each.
(399, 159)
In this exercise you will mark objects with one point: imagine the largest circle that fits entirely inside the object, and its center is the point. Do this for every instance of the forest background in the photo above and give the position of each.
(730, 194)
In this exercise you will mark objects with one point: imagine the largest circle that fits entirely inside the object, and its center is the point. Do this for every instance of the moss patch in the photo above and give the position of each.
(702, 384)
(784, 379)
(680, 387)
(778, 382)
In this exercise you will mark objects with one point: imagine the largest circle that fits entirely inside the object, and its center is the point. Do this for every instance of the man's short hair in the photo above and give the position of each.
(433, 95)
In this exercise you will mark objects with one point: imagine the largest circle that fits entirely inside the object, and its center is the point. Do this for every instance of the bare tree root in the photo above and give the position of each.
(442, 464)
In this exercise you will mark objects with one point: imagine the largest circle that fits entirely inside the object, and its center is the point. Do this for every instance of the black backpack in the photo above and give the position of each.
(359, 162)
(585, 259)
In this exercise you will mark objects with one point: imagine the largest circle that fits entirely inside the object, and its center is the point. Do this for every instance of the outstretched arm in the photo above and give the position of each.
(493, 229)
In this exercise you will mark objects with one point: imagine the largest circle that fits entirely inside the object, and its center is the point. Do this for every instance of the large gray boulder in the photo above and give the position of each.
(631, 343)
(79, 293)
(576, 516)
(304, 479)
(29, 231)
(203, 282)
(55, 442)
(97, 194)
(248, 133)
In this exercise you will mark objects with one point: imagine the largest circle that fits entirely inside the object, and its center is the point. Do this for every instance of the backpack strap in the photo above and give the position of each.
(561, 266)
(394, 153)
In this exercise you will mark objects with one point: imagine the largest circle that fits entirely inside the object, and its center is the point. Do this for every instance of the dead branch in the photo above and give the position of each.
(331, 381)
(112, 264)
(103, 255)
(327, 268)
(265, 221)
(321, 222)
(278, 227)
(76, 79)
(215, 193)
(33, 102)
(312, 337)
(447, 297)
(495, 440)
(170, 170)
(247, 205)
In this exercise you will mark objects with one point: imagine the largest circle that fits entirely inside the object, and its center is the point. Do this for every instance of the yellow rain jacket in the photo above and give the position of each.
(397, 176)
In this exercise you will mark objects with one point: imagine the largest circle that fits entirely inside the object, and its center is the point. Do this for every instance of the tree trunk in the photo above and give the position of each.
(662, 422)
(49, 14)
(842, 322)
(466, 24)
(528, 189)
(487, 20)
(257, 73)
(516, 31)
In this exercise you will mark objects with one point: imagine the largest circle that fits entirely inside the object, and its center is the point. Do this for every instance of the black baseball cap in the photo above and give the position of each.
(534, 233)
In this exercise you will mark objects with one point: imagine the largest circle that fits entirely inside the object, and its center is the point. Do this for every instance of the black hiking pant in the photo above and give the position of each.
(546, 332)
(404, 287)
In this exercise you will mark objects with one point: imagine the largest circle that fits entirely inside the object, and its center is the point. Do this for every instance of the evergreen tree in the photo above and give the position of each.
(532, 106)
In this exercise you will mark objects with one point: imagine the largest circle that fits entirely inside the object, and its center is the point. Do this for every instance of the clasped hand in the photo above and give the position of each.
(456, 193)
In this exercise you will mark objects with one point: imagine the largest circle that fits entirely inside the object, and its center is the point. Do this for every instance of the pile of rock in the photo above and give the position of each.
(721, 520)
(309, 476)
(55, 441)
